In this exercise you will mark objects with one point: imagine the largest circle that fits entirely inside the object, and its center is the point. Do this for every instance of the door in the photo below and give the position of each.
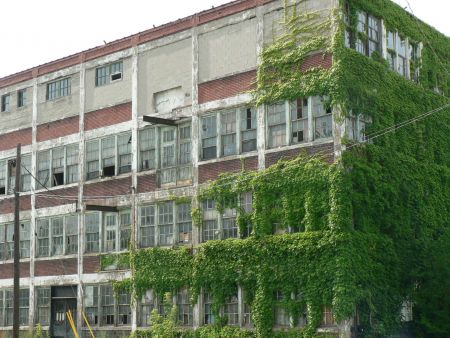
(61, 327)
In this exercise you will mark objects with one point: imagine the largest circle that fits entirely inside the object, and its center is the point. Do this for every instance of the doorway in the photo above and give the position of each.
(64, 298)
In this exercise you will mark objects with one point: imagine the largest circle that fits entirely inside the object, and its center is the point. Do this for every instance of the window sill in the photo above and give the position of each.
(228, 158)
(301, 145)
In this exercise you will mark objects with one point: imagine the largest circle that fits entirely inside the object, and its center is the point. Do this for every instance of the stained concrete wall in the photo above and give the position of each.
(227, 50)
(51, 110)
(110, 94)
(17, 117)
(163, 68)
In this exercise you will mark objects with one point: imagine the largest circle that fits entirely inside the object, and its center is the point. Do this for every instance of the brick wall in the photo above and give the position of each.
(58, 129)
(226, 87)
(146, 183)
(56, 267)
(211, 171)
(10, 140)
(318, 60)
(91, 264)
(7, 270)
(109, 188)
(58, 199)
(323, 149)
(108, 116)
(7, 205)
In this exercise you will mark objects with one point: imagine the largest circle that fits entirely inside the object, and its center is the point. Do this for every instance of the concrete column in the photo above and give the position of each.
(80, 206)
(384, 51)
(345, 329)
(260, 112)
(287, 114)
(338, 127)
(310, 120)
(408, 68)
(134, 166)
(195, 120)
(33, 202)
(241, 306)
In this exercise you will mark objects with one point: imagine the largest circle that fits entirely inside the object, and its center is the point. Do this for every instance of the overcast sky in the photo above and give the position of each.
(33, 32)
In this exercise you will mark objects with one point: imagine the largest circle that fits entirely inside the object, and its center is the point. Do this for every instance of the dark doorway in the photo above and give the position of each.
(64, 298)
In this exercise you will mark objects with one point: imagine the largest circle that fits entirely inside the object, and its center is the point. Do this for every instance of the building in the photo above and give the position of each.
(112, 136)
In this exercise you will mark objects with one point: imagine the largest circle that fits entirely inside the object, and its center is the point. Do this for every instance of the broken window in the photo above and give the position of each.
(228, 132)
(299, 120)
(71, 234)
(124, 308)
(328, 317)
(209, 137)
(25, 239)
(125, 229)
(124, 153)
(43, 240)
(21, 98)
(43, 305)
(3, 177)
(90, 302)
(25, 173)
(231, 311)
(147, 226)
(92, 224)
(44, 168)
(401, 54)
(165, 223)
(185, 309)
(109, 73)
(110, 232)
(185, 153)
(6, 99)
(92, 160)
(248, 129)
(108, 156)
(107, 304)
(209, 317)
(147, 147)
(147, 305)
(276, 121)
(323, 119)
(57, 166)
(72, 163)
(168, 154)
(184, 223)
(210, 224)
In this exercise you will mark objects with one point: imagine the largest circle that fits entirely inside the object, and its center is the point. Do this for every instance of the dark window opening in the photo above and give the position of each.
(109, 319)
(2, 190)
(116, 76)
(109, 171)
(58, 179)
(249, 145)
(92, 175)
(209, 153)
(249, 118)
(125, 169)
(297, 136)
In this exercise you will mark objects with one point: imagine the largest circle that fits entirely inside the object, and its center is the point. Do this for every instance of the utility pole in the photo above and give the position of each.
(16, 246)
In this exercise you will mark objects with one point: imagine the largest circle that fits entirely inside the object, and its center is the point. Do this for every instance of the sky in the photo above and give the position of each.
(33, 32)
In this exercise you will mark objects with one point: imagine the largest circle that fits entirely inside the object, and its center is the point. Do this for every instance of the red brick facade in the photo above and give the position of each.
(91, 264)
(120, 186)
(10, 140)
(226, 87)
(7, 205)
(55, 267)
(56, 197)
(324, 149)
(146, 183)
(107, 116)
(7, 270)
(211, 171)
(56, 129)
(318, 60)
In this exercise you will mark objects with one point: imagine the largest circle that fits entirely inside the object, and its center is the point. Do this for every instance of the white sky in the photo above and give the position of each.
(33, 32)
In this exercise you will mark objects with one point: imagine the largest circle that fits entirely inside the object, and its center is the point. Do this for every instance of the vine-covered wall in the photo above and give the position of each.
(371, 230)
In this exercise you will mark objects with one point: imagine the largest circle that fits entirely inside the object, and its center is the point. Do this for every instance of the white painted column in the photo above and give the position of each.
(134, 165)
(287, 116)
(260, 111)
(310, 120)
(384, 51)
(32, 304)
(80, 206)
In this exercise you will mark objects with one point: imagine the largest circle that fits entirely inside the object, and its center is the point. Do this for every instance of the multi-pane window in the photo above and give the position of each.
(247, 208)
(248, 130)
(21, 98)
(401, 55)
(7, 240)
(368, 34)
(209, 317)
(299, 120)
(165, 223)
(229, 226)
(147, 226)
(184, 223)
(92, 226)
(276, 122)
(110, 232)
(104, 308)
(24, 304)
(125, 229)
(8, 171)
(168, 154)
(57, 236)
(328, 317)
(146, 307)
(210, 229)
(281, 316)
(323, 127)
(58, 89)
(231, 310)
(209, 137)
(109, 73)
(43, 295)
(6, 102)
(184, 307)
(58, 166)
(108, 156)
(3, 177)
(147, 148)
(228, 132)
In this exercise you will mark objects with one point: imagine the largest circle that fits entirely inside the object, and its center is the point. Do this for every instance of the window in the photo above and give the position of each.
(185, 309)
(248, 130)
(109, 73)
(229, 226)
(43, 305)
(57, 236)
(299, 120)
(322, 118)
(147, 147)
(209, 137)
(109, 156)
(280, 314)
(368, 34)
(247, 315)
(58, 166)
(6, 102)
(217, 226)
(185, 155)
(114, 309)
(328, 317)
(184, 223)
(24, 303)
(247, 208)
(209, 317)
(231, 311)
(159, 223)
(276, 121)
(125, 229)
(8, 175)
(168, 155)
(401, 54)
(110, 233)
(22, 98)
(3, 178)
(7, 240)
(147, 305)
(228, 132)
(92, 224)
(58, 89)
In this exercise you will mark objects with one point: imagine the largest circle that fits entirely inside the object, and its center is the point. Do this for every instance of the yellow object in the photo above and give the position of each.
(87, 323)
(74, 328)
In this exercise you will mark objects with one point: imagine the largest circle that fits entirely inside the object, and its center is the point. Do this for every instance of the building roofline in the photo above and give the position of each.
(155, 33)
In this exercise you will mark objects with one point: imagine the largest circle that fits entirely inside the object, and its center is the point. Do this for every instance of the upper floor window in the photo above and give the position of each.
(168, 149)
(367, 40)
(216, 226)
(8, 175)
(109, 73)
(57, 236)
(108, 156)
(58, 89)
(6, 104)
(7, 307)
(7, 240)
(228, 132)
(58, 166)
(164, 224)
(22, 98)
